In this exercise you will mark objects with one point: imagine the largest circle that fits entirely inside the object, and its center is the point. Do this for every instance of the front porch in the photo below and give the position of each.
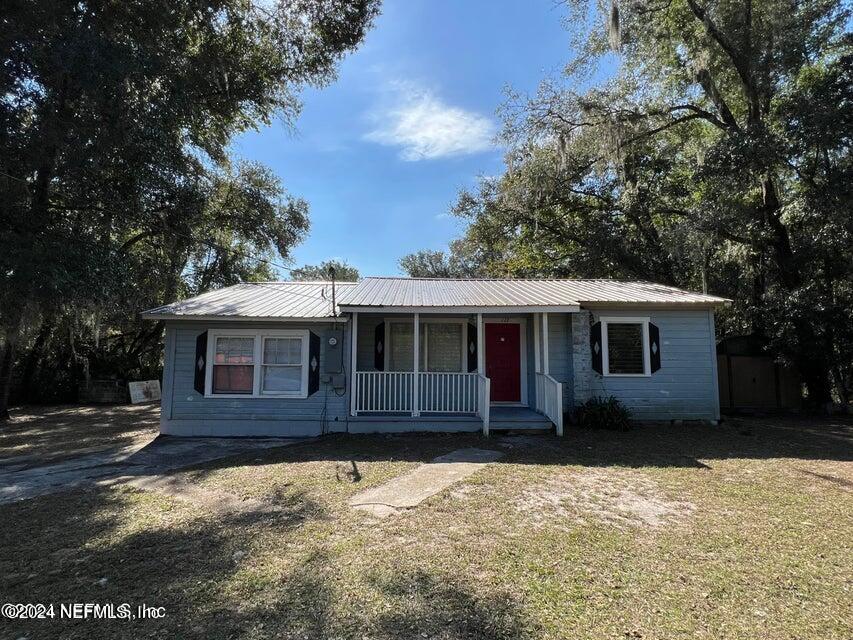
(489, 370)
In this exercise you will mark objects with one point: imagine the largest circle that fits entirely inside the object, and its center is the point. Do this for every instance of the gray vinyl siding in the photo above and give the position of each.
(685, 387)
(187, 412)
(560, 353)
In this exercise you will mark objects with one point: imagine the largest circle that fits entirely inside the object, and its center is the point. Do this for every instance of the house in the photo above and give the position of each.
(279, 358)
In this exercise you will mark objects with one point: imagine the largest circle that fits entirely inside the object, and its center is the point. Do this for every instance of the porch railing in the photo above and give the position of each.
(438, 392)
(447, 392)
(549, 400)
(383, 391)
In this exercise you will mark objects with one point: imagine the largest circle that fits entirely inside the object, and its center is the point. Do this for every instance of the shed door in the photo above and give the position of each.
(503, 361)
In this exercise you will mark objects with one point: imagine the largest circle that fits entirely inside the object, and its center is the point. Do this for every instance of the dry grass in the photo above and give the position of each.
(616, 497)
(737, 531)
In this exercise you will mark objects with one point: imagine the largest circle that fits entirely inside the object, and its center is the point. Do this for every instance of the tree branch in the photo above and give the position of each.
(740, 63)
(703, 77)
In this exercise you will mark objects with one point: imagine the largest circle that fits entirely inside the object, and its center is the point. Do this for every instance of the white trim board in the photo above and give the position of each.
(605, 356)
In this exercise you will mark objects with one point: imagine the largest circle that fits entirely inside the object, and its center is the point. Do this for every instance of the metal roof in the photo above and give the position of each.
(256, 301)
(313, 300)
(541, 294)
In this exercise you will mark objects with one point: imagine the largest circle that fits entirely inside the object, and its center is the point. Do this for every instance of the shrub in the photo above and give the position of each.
(603, 413)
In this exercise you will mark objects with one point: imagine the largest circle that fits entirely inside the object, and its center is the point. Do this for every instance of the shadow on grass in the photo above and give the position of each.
(216, 576)
(655, 445)
(428, 606)
(51, 555)
(52, 433)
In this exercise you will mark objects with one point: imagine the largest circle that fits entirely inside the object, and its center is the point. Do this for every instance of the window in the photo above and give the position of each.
(626, 346)
(234, 365)
(258, 363)
(282, 365)
(401, 344)
(443, 351)
(442, 345)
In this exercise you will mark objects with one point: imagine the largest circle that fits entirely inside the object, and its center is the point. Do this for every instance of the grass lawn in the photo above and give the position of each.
(738, 531)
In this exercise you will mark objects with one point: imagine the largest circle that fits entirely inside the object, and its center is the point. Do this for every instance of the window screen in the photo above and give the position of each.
(440, 345)
(401, 357)
(444, 347)
(282, 365)
(625, 348)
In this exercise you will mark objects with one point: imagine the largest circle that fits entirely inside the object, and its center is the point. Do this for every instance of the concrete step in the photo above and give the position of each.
(501, 425)
(521, 418)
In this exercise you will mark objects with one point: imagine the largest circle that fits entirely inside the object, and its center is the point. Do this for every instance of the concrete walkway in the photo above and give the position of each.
(411, 489)
(21, 481)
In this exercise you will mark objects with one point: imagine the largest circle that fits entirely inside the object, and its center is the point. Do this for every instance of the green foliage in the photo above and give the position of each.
(462, 261)
(715, 157)
(603, 413)
(116, 189)
(320, 272)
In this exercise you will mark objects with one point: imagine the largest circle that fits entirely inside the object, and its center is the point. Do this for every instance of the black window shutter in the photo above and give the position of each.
(595, 346)
(313, 363)
(200, 362)
(654, 347)
(379, 347)
(471, 349)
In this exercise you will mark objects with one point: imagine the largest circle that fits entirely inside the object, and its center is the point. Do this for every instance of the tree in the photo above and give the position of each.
(463, 260)
(115, 125)
(716, 155)
(321, 272)
(428, 264)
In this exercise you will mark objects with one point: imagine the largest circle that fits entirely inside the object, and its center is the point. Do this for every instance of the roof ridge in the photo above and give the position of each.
(300, 282)
(491, 279)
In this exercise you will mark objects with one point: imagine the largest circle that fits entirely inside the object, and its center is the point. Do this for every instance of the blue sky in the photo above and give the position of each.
(381, 153)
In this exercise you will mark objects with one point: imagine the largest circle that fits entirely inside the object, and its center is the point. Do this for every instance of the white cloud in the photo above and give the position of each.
(424, 127)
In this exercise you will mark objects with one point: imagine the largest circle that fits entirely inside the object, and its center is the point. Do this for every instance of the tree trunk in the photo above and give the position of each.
(841, 386)
(816, 379)
(780, 243)
(6, 378)
(814, 362)
(34, 358)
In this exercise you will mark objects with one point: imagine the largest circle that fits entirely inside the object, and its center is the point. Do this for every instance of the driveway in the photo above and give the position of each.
(25, 477)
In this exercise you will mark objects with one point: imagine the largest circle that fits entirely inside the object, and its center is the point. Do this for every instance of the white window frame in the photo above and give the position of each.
(424, 321)
(258, 335)
(605, 347)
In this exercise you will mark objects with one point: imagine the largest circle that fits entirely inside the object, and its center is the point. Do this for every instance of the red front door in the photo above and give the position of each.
(503, 361)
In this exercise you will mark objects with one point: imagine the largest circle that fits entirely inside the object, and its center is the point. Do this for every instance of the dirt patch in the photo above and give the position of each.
(619, 498)
(216, 501)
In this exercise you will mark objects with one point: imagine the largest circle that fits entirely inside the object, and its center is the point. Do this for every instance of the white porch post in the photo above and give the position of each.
(546, 369)
(481, 356)
(353, 346)
(537, 347)
(417, 342)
